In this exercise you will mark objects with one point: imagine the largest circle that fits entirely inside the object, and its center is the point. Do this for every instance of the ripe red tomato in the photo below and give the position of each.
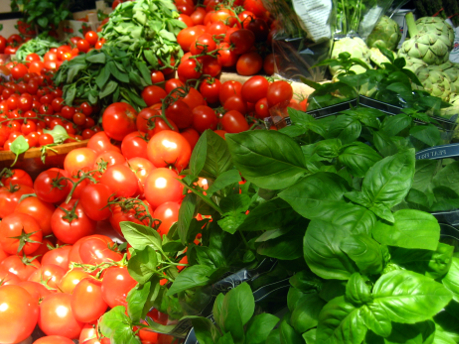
(2, 44)
(193, 98)
(91, 37)
(167, 213)
(116, 284)
(141, 167)
(172, 84)
(249, 63)
(94, 198)
(70, 223)
(262, 108)
(53, 340)
(20, 229)
(58, 256)
(255, 88)
(191, 135)
(22, 267)
(57, 318)
(87, 303)
(51, 186)
(109, 158)
(10, 196)
(157, 76)
(71, 279)
(180, 113)
(242, 40)
(204, 117)
(228, 89)
(95, 250)
(169, 148)
(210, 66)
(19, 70)
(36, 290)
(83, 46)
(120, 180)
(188, 69)
(130, 210)
(187, 36)
(260, 29)
(17, 176)
(48, 275)
(161, 186)
(234, 122)
(118, 120)
(279, 92)
(153, 94)
(79, 159)
(100, 142)
(197, 16)
(235, 103)
(18, 314)
(134, 145)
(210, 90)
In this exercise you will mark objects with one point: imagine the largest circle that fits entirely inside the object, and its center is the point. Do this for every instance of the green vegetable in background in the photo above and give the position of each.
(38, 45)
(386, 34)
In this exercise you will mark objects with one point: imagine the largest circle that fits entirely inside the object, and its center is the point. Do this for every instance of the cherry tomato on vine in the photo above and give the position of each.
(204, 117)
(234, 122)
(91, 37)
(116, 284)
(87, 303)
(169, 148)
(153, 94)
(161, 186)
(20, 233)
(121, 181)
(249, 63)
(279, 92)
(118, 120)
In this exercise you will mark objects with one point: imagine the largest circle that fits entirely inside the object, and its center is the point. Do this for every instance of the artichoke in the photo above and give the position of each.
(452, 72)
(378, 58)
(386, 34)
(427, 45)
(354, 46)
(435, 82)
(413, 64)
(437, 25)
(452, 110)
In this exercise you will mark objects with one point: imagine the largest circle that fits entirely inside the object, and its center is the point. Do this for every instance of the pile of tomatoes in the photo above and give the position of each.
(30, 104)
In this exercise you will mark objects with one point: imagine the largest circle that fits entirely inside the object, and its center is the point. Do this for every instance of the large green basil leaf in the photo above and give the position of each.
(218, 159)
(434, 264)
(316, 195)
(327, 149)
(305, 314)
(451, 280)
(442, 337)
(357, 290)
(268, 215)
(288, 335)
(365, 252)
(205, 330)
(419, 333)
(388, 181)
(353, 218)
(332, 289)
(408, 297)
(340, 322)
(346, 128)
(428, 134)
(424, 173)
(267, 158)
(411, 229)
(191, 277)
(285, 247)
(259, 328)
(358, 158)
(322, 251)
(392, 125)
(306, 281)
(142, 264)
(448, 176)
(376, 320)
(310, 336)
(385, 144)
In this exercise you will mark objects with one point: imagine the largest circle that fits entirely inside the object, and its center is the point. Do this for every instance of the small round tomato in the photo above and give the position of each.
(167, 213)
(161, 186)
(17, 176)
(49, 275)
(100, 142)
(210, 90)
(279, 92)
(91, 37)
(262, 108)
(180, 113)
(204, 117)
(157, 76)
(58, 256)
(51, 186)
(169, 148)
(249, 63)
(70, 223)
(242, 40)
(10, 196)
(20, 233)
(19, 70)
(18, 314)
(234, 122)
(191, 135)
(36, 290)
(141, 167)
(87, 302)
(187, 36)
(57, 318)
(53, 340)
(71, 279)
(235, 103)
(255, 88)
(134, 145)
(118, 120)
(116, 284)
(120, 180)
(80, 159)
(153, 94)
(228, 89)
(109, 158)
(22, 267)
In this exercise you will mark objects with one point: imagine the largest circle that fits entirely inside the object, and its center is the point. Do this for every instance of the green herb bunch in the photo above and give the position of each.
(43, 14)
(39, 45)
(146, 29)
(103, 77)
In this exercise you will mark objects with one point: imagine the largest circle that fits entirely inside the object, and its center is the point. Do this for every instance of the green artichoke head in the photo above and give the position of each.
(386, 34)
(438, 26)
(413, 64)
(435, 82)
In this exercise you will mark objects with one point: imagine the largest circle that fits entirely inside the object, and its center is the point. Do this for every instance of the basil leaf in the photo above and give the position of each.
(358, 158)
(108, 89)
(18, 146)
(428, 134)
(288, 335)
(392, 125)
(267, 158)
(142, 264)
(305, 314)
(225, 179)
(259, 328)
(345, 128)
(140, 236)
(198, 156)
(451, 280)
(136, 300)
(365, 252)
(186, 215)
(218, 159)
(191, 277)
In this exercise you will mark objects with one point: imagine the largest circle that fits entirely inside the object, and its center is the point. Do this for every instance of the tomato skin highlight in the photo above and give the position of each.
(169, 148)
(18, 314)
(13, 226)
(87, 302)
(118, 120)
(116, 284)
(161, 186)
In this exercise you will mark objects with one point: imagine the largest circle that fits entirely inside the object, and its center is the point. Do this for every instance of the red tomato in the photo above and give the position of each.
(10, 196)
(16, 176)
(51, 186)
(172, 84)
(153, 94)
(58, 256)
(242, 40)
(83, 46)
(262, 108)
(2, 44)
(193, 98)
(204, 118)
(228, 89)
(22, 267)
(118, 120)
(141, 167)
(71, 279)
(116, 284)
(79, 159)
(19, 70)
(161, 186)
(180, 113)
(8, 278)
(95, 250)
(109, 158)
(120, 180)
(157, 76)
(167, 213)
(94, 198)
(220, 133)
(53, 340)
(235, 103)
(48, 275)
(91, 37)
(134, 145)
(20, 229)
(255, 88)
(18, 314)
(187, 36)
(249, 63)
(169, 148)
(188, 69)
(191, 135)
(56, 316)
(203, 44)
(279, 92)
(211, 66)
(256, 7)
(130, 210)
(100, 142)
(197, 17)
(36, 290)
(70, 223)
(87, 303)
(234, 122)
(145, 119)
(210, 90)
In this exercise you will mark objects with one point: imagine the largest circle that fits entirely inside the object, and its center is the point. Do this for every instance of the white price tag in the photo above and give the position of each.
(315, 15)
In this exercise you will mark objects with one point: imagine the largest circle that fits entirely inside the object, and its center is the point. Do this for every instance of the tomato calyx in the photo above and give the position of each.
(70, 215)
(85, 175)
(97, 270)
(28, 260)
(24, 238)
(13, 187)
(140, 209)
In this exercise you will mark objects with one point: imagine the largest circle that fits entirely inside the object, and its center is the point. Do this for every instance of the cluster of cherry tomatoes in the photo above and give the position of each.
(30, 103)
(11, 44)
(219, 36)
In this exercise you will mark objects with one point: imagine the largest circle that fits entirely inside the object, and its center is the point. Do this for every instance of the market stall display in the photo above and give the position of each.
(173, 178)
